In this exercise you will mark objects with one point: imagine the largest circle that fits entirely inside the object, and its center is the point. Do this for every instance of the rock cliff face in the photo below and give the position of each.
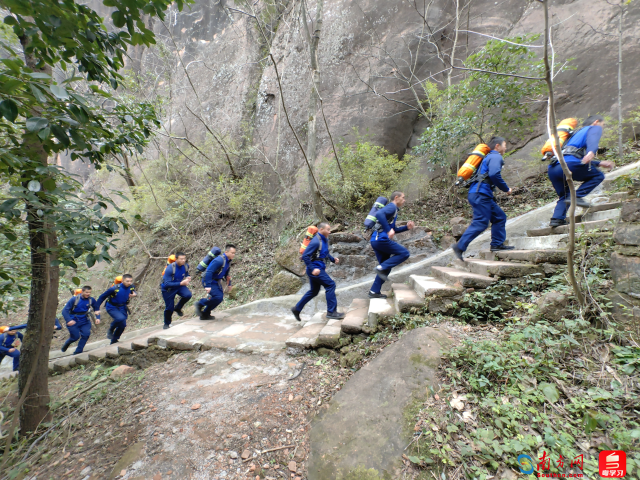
(372, 60)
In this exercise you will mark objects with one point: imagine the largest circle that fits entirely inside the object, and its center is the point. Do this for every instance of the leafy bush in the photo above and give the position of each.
(482, 104)
(369, 172)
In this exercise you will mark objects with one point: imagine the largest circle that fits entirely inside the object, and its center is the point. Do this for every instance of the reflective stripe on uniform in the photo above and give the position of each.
(372, 218)
(379, 205)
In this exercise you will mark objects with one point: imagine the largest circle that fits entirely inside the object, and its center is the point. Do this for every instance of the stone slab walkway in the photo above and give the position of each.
(368, 423)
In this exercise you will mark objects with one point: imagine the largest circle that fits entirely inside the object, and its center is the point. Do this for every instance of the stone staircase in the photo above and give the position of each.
(538, 253)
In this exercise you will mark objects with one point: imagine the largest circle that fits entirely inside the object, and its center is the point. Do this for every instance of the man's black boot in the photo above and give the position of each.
(167, 318)
(110, 334)
(557, 222)
(335, 315)
(457, 252)
(376, 295)
(179, 312)
(65, 346)
(580, 202)
(384, 276)
(198, 308)
(206, 316)
(296, 314)
(501, 248)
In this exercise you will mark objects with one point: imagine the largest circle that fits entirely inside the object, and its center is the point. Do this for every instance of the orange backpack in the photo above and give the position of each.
(565, 130)
(311, 232)
(117, 280)
(472, 163)
(171, 259)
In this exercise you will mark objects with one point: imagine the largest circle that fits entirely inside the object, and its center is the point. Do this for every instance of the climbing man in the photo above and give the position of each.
(483, 203)
(175, 280)
(388, 252)
(579, 152)
(9, 344)
(118, 297)
(76, 314)
(315, 257)
(215, 281)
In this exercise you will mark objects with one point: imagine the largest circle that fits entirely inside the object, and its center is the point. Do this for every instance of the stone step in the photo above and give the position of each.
(594, 216)
(379, 309)
(493, 268)
(549, 242)
(306, 337)
(462, 278)
(530, 256)
(580, 227)
(430, 287)
(405, 298)
(330, 334)
(604, 206)
(619, 196)
(356, 316)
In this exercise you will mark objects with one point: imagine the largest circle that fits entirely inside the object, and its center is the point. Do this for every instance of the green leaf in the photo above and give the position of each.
(9, 109)
(10, 20)
(36, 123)
(414, 460)
(59, 92)
(10, 236)
(34, 186)
(550, 392)
(39, 76)
(40, 96)
(61, 135)
(49, 184)
(118, 19)
(76, 280)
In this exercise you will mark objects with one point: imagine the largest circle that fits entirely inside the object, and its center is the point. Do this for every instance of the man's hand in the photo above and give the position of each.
(607, 164)
(185, 281)
(509, 192)
(315, 272)
(336, 260)
(207, 289)
(411, 225)
(588, 157)
(97, 321)
(11, 350)
(71, 323)
(134, 294)
(391, 233)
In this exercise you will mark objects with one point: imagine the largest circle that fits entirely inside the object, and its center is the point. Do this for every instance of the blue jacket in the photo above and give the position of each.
(118, 300)
(79, 314)
(217, 269)
(181, 273)
(319, 244)
(6, 342)
(491, 165)
(387, 217)
(588, 138)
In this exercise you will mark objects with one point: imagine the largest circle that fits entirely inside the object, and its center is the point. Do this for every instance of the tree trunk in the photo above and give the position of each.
(43, 301)
(312, 126)
(127, 171)
(551, 126)
(620, 151)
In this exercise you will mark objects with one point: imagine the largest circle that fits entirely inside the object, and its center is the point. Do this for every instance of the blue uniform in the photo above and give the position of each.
(82, 328)
(6, 343)
(315, 256)
(117, 307)
(587, 138)
(389, 253)
(484, 206)
(170, 287)
(217, 270)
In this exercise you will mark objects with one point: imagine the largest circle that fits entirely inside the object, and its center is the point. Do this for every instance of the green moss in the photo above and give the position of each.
(361, 473)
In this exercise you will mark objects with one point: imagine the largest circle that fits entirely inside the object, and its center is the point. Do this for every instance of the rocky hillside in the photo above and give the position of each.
(373, 54)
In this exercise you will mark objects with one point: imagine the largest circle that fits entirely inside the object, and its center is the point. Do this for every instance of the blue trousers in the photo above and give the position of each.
(119, 315)
(485, 211)
(211, 301)
(590, 179)
(169, 297)
(315, 282)
(16, 359)
(389, 254)
(80, 331)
